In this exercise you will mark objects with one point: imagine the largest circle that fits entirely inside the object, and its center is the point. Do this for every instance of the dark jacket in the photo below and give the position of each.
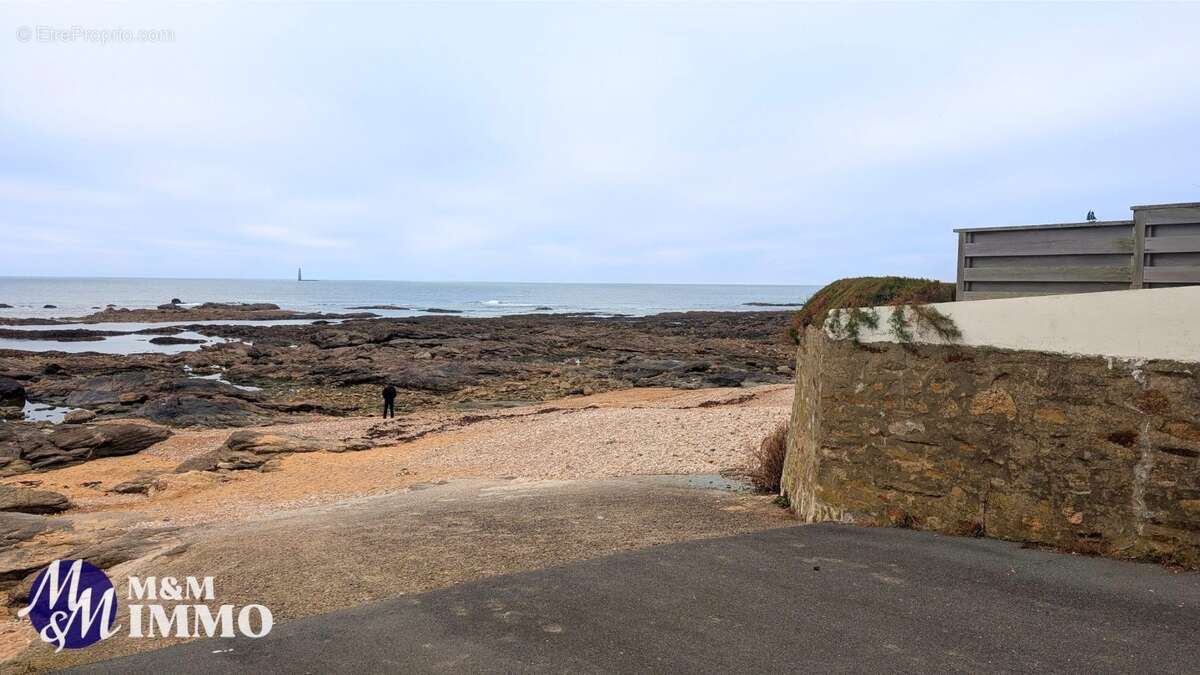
(389, 393)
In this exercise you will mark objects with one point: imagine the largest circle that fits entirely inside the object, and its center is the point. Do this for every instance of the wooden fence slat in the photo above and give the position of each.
(1185, 244)
(1138, 278)
(1061, 247)
(1051, 237)
(1111, 274)
(1173, 275)
(1089, 224)
(995, 295)
(1175, 216)
(960, 284)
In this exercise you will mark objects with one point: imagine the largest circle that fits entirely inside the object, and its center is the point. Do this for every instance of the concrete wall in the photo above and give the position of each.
(1083, 453)
(1161, 323)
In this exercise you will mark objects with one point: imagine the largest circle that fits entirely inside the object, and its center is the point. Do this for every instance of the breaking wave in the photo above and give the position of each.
(501, 303)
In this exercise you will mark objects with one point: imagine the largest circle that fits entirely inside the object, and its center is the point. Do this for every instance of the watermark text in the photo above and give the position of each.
(45, 34)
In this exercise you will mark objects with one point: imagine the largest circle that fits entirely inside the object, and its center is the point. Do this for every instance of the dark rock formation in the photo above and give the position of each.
(126, 546)
(435, 377)
(16, 528)
(79, 417)
(169, 340)
(141, 485)
(433, 360)
(18, 499)
(12, 393)
(106, 440)
(75, 335)
(121, 388)
(25, 447)
(17, 562)
(253, 449)
(165, 395)
(206, 410)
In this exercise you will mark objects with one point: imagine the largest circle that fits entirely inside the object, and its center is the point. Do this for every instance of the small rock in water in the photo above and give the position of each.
(168, 340)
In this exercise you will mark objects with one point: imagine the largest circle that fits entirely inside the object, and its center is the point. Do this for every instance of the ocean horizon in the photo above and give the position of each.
(28, 297)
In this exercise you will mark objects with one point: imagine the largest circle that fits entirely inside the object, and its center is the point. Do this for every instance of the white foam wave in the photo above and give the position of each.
(501, 303)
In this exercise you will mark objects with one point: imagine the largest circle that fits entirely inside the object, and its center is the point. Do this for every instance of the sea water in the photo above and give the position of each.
(81, 296)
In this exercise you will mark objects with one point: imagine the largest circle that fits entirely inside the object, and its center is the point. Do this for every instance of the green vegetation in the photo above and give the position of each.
(849, 324)
(926, 318)
(858, 292)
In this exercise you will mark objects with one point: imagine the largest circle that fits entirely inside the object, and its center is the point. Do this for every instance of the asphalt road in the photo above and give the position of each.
(822, 598)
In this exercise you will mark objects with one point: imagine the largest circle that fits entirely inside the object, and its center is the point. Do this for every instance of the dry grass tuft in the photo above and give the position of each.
(766, 470)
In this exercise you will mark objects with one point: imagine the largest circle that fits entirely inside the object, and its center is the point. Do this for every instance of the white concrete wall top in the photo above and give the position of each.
(1158, 323)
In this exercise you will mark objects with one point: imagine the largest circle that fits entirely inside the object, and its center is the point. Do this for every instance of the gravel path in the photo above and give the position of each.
(604, 442)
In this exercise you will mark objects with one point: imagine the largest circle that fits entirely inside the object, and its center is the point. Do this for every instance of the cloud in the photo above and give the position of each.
(291, 237)
(741, 142)
(38, 192)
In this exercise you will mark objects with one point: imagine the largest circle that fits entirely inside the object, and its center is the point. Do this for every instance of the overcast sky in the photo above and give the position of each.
(783, 143)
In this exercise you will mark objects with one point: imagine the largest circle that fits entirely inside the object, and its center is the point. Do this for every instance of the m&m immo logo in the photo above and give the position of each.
(72, 604)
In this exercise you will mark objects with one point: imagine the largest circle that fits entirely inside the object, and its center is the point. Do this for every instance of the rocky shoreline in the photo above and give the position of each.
(176, 312)
(156, 450)
(264, 374)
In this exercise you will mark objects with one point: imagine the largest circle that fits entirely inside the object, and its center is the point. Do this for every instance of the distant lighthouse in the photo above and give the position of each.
(299, 274)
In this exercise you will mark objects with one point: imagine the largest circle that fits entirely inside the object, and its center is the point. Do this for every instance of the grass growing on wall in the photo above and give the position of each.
(867, 292)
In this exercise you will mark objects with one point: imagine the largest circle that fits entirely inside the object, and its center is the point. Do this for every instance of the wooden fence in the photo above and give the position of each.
(1159, 247)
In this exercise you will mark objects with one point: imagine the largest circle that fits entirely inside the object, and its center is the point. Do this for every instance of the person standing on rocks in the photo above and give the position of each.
(389, 402)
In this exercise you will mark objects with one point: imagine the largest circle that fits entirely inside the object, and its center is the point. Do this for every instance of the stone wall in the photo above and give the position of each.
(1084, 453)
